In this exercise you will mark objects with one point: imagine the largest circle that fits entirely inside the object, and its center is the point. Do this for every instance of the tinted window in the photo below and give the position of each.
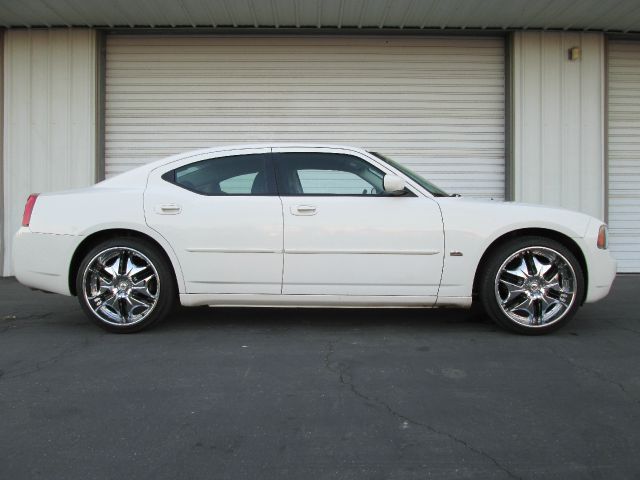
(327, 174)
(419, 179)
(236, 175)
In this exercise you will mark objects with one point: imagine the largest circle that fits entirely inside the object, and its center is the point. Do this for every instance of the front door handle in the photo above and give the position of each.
(304, 210)
(168, 209)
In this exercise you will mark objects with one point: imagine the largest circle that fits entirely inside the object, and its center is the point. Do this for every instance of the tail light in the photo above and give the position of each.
(28, 209)
(603, 237)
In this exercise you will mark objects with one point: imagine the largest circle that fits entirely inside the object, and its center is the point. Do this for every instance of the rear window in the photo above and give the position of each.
(234, 175)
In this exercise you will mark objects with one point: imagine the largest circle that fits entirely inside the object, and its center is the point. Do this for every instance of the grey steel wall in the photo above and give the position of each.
(558, 120)
(49, 117)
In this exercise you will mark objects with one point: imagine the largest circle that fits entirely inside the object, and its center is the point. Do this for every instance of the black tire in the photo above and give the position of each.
(160, 289)
(548, 307)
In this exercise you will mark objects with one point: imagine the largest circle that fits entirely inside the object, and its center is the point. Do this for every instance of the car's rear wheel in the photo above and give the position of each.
(125, 285)
(531, 285)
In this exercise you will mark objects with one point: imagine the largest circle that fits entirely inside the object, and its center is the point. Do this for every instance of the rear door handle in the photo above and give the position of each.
(304, 210)
(168, 209)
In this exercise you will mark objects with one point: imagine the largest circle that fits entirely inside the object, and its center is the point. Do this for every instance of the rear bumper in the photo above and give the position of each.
(42, 260)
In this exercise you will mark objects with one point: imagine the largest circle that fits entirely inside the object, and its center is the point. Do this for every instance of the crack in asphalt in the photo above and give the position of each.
(595, 374)
(615, 325)
(40, 365)
(33, 316)
(11, 321)
(346, 379)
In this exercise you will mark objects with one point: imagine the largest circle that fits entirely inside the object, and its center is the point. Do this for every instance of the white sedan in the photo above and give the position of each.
(304, 226)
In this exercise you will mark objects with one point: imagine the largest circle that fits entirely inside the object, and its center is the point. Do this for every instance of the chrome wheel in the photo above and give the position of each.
(536, 286)
(121, 286)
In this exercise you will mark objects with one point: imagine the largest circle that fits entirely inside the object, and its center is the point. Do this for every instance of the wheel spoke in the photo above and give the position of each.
(132, 269)
(513, 289)
(554, 283)
(520, 271)
(143, 274)
(121, 286)
(112, 269)
(122, 263)
(550, 272)
(560, 297)
(135, 302)
(111, 301)
(540, 267)
(512, 279)
(103, 273)
(530, 263)
(122, 310)
(537, 312)
(142, 287)
(547, 303)
(535, 286)
(517, 303)
(108, 305)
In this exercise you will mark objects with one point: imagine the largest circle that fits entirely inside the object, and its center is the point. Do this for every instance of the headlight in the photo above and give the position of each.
(603, 237)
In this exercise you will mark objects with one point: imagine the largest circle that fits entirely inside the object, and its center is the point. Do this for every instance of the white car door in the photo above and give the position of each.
(223, 218)
(344, 236)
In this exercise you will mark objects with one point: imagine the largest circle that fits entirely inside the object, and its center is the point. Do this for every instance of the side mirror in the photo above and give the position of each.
(393, 184)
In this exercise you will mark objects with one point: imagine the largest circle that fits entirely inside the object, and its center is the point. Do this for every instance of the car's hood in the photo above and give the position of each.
(498, 215)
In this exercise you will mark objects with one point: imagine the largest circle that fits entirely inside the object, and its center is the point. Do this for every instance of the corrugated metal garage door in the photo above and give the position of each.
(624, 153)
(436, 104)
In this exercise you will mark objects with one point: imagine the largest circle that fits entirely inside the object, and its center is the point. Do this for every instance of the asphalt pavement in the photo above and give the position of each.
(317, 394)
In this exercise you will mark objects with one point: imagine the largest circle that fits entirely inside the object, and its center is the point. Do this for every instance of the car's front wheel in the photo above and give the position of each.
(531, 285)
(125, 285)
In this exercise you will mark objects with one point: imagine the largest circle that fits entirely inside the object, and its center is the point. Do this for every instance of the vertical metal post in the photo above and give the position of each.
(509, 193)
(101, 78)
(2, 214)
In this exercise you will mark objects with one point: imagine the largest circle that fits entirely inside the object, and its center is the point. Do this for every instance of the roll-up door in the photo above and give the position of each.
(624, 153)
(434, 103)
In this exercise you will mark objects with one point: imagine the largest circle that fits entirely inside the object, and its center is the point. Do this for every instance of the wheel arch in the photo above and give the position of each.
(96, 237)
(561, 238)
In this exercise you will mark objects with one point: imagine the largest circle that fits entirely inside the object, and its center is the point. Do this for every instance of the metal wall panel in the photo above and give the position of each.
(624, 153)
(49, 117)
(558, 120)
(619, 15)
(435, 103)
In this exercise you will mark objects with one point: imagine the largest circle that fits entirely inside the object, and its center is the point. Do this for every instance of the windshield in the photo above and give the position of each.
(424, 183)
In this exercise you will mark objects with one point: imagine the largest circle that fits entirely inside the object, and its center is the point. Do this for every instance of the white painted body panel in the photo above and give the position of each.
(233, 245)
(316, 301)
(225, 244)
(355, 251)
(471, 226)
(41, 260)
(380, 246)
(68, 217)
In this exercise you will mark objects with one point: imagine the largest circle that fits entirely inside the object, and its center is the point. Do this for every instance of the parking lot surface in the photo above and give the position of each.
(317, 394)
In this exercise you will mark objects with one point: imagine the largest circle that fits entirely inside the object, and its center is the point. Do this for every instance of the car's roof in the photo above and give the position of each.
(138, 175)
(250, 146)
(244, 146)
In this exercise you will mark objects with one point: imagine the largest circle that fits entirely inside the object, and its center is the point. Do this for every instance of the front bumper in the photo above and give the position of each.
(42, 260)
(602, 271)
(601, 265)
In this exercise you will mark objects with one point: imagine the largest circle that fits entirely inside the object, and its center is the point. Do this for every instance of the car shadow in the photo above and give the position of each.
(323, 318)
